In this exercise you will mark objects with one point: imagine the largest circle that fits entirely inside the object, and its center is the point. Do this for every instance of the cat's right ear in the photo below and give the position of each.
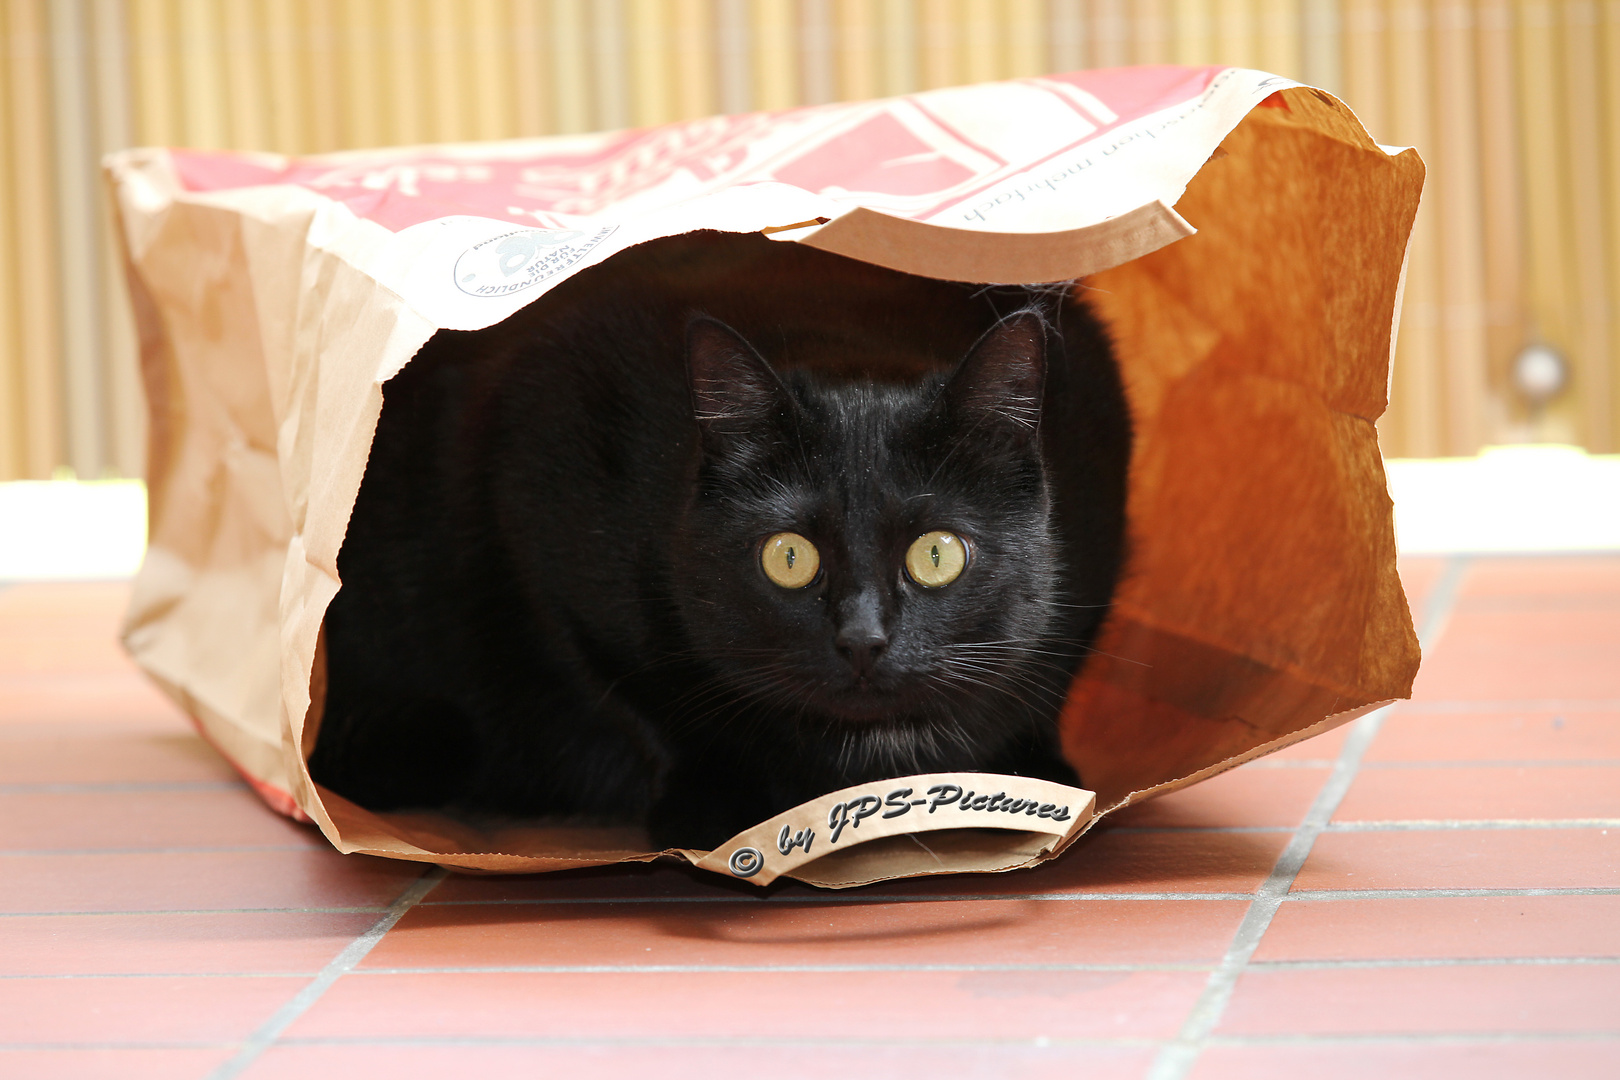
(999, 385)
(734, 391)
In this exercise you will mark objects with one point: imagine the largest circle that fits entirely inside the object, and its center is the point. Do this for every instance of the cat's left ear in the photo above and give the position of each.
(734, 391)
(1000, 382)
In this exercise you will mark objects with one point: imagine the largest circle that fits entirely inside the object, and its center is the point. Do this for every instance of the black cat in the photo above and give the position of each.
(718, 526)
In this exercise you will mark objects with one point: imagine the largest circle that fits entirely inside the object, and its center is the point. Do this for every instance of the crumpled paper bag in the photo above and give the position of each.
(1241, 235)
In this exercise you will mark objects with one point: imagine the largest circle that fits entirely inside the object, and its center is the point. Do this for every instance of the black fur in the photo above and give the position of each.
(552, 599)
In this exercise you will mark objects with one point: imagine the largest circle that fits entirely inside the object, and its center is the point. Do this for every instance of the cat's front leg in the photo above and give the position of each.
(706, 803)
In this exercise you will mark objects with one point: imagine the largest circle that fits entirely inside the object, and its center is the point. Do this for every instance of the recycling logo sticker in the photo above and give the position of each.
(523, 258)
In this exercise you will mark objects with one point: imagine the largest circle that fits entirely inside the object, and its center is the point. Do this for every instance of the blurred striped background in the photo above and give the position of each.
(1515, 106)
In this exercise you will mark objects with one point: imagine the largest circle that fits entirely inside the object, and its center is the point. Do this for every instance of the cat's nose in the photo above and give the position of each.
(862, 644)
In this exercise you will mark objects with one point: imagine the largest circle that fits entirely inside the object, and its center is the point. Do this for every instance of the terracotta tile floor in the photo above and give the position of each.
(1434, 892)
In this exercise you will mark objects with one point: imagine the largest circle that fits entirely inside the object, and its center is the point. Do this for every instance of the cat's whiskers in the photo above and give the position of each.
(1115, 656)
(960, 677)
(1014, 663)
(1035, 652)
(1065, 604)
(677, 655)
(768, 686)
(1023, 672)
(997, 678)
(1087, 649)
(1045, 680)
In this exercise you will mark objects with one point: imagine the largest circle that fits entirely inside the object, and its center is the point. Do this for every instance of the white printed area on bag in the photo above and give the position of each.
(521, 258)
(907, 804)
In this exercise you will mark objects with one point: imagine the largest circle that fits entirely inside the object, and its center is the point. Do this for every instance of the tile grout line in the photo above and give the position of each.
(119, 787)
(1176, 1060)
(1296, 896)
(1462, 1038)
(1392, 825)
(352, 909)
(896, 899)
(218, 849)
(340, 965)
(879, 969)
(926, 969)
(1512, 705)
(1443, 824)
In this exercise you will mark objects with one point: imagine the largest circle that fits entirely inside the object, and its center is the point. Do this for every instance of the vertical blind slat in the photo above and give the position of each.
(1546, 210)
(1416, 407)
(1609, 100)
(13, 414)
(33, 183)
(1457, 216)
(78, 258)
(1593, 336)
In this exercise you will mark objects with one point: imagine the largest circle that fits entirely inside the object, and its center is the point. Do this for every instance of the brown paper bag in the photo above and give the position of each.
(1261, 606)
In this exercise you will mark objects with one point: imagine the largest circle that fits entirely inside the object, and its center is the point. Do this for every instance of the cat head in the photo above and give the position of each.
(873, 563)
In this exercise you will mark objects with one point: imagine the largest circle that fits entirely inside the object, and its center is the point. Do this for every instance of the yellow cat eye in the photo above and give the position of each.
(790, 560)
(936, 558)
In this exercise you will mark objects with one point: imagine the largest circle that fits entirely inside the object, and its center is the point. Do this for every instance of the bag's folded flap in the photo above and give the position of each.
(903, 806)
(916, 247)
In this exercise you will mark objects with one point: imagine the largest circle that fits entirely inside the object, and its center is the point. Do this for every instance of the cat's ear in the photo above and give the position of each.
(734, 391)
(998, 385)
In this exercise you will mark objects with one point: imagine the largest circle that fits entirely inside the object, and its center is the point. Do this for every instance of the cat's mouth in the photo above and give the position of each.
(881, 699)
(864, 702)
(865, 708)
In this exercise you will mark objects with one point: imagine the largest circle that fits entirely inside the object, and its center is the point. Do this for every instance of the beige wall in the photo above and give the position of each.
(1516, 107)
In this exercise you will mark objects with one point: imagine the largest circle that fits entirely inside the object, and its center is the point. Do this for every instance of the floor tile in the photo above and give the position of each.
(59, 650)
(129, 1063)
(1493, 1060)
(806, 1059)
(146, 820)
(1581, 576)
(866, 1005)
(1446, 927)
(1522, 655)
(99, 603)
(100, 754)
(1482, 793)
(200, 881)
(58, 698)
(63, 628)
(177, 944)
(1246, 796)
(1110, 860)
(957, 933)
(1419, 575)
(1323, 749)
(1469, 999)
(139, 1011)
(1568, 735)
(1464, 859)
